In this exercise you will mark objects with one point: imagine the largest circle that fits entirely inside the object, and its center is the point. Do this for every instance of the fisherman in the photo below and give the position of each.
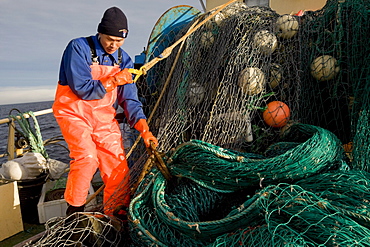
(93, 80)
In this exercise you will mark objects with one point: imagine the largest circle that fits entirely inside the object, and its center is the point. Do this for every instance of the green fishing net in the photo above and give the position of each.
(238, 180)
(323, 209)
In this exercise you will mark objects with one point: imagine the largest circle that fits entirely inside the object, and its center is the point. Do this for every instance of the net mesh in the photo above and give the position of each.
(81, 229)
(242, 174)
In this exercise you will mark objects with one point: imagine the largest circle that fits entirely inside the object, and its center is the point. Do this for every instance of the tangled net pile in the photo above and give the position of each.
(302, 196)
(238, 181)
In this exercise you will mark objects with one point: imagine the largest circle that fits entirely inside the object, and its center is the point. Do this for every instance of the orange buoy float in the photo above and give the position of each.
(277, 114)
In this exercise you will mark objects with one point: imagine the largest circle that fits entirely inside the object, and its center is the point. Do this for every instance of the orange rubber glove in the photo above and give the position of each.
(121, 78)
(143, 128)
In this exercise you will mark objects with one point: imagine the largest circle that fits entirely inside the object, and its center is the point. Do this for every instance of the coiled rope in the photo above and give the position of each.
(31, 133)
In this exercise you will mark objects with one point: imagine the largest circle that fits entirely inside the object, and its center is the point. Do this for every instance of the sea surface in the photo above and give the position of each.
(47, 123)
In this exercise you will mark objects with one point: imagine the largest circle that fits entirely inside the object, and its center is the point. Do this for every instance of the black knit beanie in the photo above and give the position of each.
(114, 23)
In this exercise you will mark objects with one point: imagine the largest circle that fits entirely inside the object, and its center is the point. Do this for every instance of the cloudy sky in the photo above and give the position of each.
(33, 35)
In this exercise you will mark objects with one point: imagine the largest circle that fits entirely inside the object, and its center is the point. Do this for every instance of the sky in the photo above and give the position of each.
(34, 34)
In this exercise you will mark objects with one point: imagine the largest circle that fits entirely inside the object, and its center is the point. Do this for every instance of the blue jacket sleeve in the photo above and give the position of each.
(132, 106)
(76, 73)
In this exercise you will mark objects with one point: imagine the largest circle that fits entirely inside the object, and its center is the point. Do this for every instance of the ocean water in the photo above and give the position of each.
(47, 123)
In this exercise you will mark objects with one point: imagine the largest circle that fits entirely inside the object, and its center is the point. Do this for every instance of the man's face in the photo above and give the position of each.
(110, 43)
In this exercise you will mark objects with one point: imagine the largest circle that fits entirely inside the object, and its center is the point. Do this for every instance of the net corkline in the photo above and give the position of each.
(240, 177)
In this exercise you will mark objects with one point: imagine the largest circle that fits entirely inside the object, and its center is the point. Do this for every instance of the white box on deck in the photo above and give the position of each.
(56, 208)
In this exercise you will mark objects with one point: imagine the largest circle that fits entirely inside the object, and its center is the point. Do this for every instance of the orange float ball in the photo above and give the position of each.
(277, 114)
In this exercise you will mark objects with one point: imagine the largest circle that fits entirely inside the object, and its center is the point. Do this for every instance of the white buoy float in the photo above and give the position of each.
(251, 80)
(287, 26)
(265, 42)
(324, 68)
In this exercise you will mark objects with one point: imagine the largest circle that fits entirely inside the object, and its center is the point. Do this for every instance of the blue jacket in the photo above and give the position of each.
(76, 73)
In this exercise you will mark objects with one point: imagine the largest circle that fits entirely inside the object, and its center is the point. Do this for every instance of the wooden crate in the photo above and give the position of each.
(10, 210)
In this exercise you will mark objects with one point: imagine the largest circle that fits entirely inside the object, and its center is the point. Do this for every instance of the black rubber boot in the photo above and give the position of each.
(72, 209)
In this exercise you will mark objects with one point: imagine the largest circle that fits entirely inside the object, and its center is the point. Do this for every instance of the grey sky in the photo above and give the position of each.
(33, 35)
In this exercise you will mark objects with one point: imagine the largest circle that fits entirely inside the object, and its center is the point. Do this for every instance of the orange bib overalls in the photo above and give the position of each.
(95, 141)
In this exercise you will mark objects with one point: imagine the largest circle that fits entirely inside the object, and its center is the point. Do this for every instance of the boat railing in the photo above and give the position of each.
(12, 150)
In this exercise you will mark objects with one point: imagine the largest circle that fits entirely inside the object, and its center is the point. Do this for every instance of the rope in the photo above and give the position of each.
(32, 134)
